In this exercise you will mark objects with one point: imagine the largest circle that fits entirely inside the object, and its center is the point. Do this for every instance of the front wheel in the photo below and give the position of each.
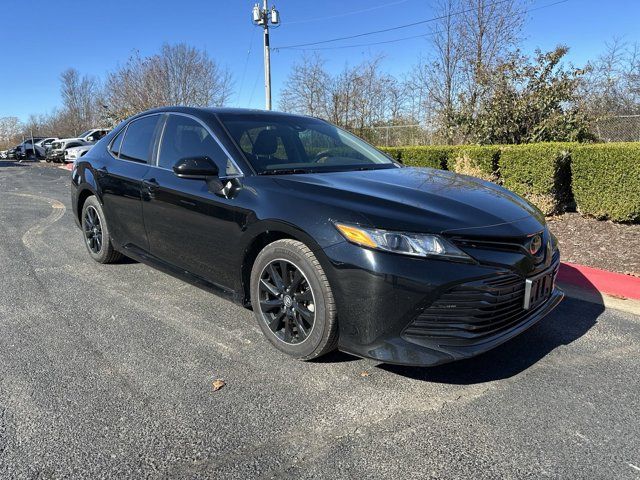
(292, 300)
(96, 232)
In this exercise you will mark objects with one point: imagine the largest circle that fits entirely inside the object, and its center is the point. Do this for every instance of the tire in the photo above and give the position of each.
(310, 288)
(47, 159)
(105, 253)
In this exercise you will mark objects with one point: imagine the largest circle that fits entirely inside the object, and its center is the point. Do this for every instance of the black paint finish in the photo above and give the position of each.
(207, 231)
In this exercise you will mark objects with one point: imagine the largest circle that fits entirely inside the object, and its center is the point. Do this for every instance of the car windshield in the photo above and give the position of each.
(84, 134)
(281, 144)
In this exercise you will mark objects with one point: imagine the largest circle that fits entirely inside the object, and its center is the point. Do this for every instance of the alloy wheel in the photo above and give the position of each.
(92, 229)
(287, 302)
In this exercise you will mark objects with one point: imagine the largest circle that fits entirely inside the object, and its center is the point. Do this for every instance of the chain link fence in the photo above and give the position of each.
(624, 128)
(397, 135)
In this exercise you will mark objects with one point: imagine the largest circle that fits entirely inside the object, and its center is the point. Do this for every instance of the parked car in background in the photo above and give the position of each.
(28, 150)
(89, 137)
(11, 153)
(331, 242)
(73, 153)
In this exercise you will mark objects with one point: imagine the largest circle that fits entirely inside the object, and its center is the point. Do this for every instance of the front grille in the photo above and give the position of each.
(473, 311)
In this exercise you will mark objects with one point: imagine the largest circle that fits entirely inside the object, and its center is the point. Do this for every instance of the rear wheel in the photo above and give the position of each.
(292, 300)
(96, 232)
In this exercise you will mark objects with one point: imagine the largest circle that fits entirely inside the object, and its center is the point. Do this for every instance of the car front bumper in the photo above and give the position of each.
(417, 311)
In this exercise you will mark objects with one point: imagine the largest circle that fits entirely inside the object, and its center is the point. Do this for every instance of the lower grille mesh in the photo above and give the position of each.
(474, 310)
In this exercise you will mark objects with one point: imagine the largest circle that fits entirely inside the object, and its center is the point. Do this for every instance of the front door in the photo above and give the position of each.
(188, 225)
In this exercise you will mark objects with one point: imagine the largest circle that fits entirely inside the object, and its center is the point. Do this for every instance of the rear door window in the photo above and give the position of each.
(138, 140)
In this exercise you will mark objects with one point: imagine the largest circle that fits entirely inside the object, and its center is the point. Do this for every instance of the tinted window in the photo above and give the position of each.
(115, 145)
(138, 139)
(185, 137)
(274, 143)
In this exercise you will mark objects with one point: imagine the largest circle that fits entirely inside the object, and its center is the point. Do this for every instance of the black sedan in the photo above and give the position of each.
(328, 240)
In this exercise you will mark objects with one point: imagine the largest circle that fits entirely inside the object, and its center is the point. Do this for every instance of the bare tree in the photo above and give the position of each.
(178, 75)
(487, 32)
(612, 83)
(80, 99)
(306, 89)
(440, 75)
(10, 130)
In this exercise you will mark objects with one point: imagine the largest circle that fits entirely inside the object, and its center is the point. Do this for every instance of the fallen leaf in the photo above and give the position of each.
(217, 384)
(364, 373)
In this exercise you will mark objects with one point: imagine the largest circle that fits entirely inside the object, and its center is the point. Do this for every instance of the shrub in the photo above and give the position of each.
(481, 162)
(427, 156)
(540, 173)
(606, 180)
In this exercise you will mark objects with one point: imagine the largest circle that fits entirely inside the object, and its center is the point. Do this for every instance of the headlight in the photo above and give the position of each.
(415, 244)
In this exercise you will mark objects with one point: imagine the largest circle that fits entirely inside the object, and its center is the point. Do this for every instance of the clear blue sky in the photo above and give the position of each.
(95, 37)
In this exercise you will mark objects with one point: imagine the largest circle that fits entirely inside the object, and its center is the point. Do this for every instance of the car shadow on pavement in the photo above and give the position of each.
(568, 322)
(12, 163)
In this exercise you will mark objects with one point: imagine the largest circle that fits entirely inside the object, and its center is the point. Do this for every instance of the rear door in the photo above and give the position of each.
(120, 180)
(189, 226)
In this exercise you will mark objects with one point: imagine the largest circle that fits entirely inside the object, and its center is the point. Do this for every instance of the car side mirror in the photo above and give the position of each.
(195, 167)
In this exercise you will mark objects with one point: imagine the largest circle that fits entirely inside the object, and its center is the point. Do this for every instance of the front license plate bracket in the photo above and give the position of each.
(537, 290)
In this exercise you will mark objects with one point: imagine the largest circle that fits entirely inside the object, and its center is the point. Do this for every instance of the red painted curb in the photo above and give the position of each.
(603, 281)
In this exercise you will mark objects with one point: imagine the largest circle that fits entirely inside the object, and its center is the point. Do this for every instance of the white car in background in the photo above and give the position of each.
(58, 148)
(73, 153)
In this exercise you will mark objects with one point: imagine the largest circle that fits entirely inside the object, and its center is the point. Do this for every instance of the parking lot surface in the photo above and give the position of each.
(107, 371)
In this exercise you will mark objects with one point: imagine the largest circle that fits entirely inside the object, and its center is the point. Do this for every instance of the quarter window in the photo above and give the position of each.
(115, 145)
(138, 139)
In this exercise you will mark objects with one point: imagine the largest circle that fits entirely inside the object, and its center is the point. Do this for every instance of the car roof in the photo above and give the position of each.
(206, 111)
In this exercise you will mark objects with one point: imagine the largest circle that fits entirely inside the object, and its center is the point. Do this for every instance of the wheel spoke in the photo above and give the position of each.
(269, 305)
(271, 288)
(274, 324)
(275, 276)
(305, 296)
(285, 275)
(295, 281)
(304, 311)
(288, 331)
(302, 331)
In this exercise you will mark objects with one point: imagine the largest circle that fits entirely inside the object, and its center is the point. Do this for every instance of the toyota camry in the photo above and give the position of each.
(330, 242)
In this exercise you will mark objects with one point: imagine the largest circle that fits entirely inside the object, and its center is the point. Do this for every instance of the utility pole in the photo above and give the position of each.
(263, 16)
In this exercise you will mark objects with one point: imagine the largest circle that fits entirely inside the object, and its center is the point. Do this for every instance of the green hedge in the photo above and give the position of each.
(602, 180)
(428, 156)
(606, 180)
(540, 173)
(478, 161)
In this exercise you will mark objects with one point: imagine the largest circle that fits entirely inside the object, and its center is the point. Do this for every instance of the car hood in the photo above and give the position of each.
(67, 140)
(421, 200)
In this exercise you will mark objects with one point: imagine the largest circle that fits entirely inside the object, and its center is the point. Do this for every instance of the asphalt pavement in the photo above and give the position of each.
(106, 371)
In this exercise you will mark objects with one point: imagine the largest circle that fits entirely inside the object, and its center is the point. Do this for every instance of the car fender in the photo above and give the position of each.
(83, 183)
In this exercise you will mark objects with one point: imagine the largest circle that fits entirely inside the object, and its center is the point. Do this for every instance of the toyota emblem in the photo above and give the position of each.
(535, 244)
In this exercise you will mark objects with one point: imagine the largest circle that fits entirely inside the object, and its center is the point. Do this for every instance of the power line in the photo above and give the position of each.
(246, 62)
(309, 20)
(398, 27)
(296, 47)
(339, 47)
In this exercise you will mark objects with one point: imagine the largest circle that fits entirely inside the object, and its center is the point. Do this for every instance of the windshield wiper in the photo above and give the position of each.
(285, 171)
